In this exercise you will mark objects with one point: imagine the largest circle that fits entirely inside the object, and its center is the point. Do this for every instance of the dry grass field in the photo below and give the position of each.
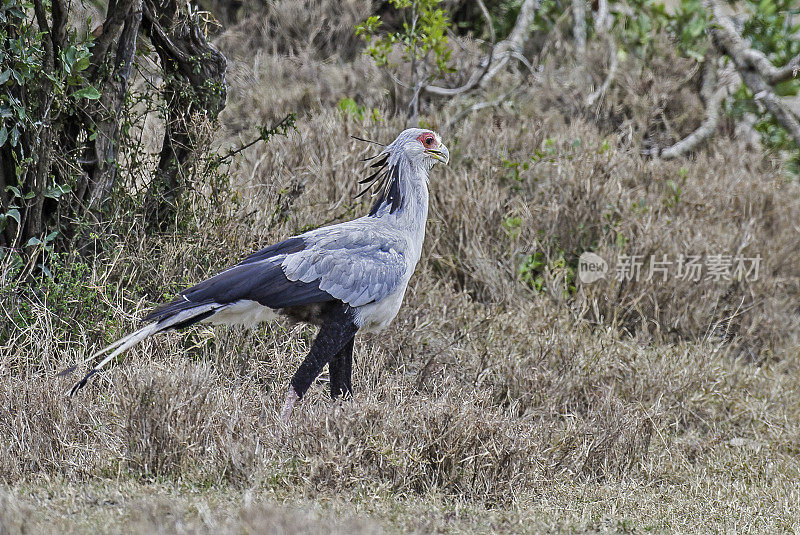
(506, 397)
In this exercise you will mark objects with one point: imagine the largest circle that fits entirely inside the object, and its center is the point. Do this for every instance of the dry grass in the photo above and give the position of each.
(487, 406)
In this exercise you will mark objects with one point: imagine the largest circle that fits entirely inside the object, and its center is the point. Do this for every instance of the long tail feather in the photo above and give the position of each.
(119, 346)
(182, 318)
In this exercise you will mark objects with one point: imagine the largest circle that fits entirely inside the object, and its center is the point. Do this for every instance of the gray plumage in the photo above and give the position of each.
(345, 277)
(357, 263)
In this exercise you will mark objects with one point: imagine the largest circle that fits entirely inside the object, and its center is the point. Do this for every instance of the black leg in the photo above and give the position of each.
(341, 370)
(332, 338)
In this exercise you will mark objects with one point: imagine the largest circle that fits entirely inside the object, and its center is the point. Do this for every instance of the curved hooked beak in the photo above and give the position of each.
(441, 154)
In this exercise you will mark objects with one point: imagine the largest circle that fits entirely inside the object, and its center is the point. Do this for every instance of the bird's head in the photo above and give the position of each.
(422, 147)
(404, 162)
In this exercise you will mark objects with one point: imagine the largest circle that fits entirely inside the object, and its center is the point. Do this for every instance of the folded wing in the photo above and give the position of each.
(355, 266)
(259, 278)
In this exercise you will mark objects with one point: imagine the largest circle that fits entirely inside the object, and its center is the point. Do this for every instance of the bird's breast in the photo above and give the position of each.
(378, 315)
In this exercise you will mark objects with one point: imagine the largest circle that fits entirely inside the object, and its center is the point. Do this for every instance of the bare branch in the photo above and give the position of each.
(781, 74)
(498, 56)
(516, 40)
(774, 104)
(519, 34)
(757, 72)
(488, 18)
(602, 19)
(482, 105)
(771, 74)
(473, 82)
(612, 72)
(714, 91)
(579, 26)
(476, 77)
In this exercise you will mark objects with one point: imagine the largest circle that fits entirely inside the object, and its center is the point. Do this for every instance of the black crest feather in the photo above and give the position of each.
(384, 184)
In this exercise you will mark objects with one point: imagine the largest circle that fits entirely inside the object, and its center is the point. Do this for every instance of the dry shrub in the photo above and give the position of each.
(584, 192)
(651, 102)
(41, 432)
(460, 443)
(170, 419)
(616, 439)
(286, 27)
(455, 444)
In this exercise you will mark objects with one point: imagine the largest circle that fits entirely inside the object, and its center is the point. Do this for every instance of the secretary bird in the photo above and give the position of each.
(346, 278)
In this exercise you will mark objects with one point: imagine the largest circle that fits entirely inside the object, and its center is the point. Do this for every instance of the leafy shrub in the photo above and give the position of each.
(422, 41)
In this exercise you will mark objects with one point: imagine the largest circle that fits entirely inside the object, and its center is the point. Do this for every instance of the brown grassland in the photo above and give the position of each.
(490, 404)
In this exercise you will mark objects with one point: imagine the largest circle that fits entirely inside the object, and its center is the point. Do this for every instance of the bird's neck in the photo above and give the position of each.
(412, 212)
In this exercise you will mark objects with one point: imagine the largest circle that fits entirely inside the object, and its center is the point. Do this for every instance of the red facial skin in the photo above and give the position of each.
(427, 139)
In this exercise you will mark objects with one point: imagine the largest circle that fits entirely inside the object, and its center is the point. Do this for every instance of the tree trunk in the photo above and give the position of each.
(194, 78)
(102, 172)
(69, 132)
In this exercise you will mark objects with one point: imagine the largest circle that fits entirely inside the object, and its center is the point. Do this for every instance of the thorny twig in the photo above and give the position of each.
(265, 134)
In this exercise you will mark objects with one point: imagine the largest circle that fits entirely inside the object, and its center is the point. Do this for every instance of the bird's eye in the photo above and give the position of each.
(427, 139)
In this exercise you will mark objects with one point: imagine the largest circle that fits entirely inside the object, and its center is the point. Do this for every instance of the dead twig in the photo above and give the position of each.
(499, 54)
(579, 26)
(714, 91)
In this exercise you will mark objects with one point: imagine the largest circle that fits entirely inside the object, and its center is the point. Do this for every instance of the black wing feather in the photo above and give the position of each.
(254, 279)
(292, 245)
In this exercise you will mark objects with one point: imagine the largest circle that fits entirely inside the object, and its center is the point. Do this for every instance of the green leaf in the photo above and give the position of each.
(3, 135)
(33, 241)
(46, 271)
(89, 93)
(767, 7)
(14, 214)
(4, 76)
(57, 191)
(788, 88)
(82, 64)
